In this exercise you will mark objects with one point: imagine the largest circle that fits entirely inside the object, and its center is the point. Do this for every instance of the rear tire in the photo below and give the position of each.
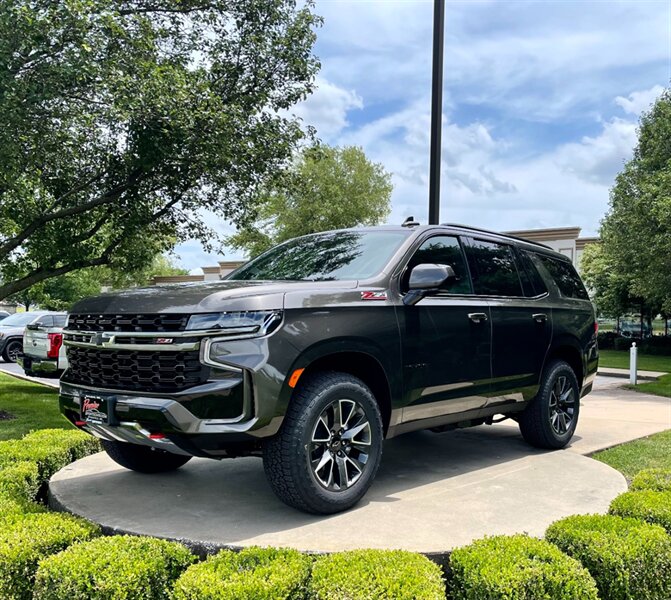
(12, 351)
(552, 417)
(143, 459)
(328, 450)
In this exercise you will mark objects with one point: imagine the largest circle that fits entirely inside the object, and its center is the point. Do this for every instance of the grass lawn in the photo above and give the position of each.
(661, 387)
(630, 458)
(34, 406)
(646, 362)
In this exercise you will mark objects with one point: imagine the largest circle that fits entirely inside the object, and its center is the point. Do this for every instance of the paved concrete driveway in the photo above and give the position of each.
(433, 492)
(16, 370)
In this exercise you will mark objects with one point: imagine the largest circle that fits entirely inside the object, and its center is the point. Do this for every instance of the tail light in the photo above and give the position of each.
(596, 327)
(54, 344)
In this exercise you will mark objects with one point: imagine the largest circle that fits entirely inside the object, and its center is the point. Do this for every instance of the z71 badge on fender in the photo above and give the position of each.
(373, 295)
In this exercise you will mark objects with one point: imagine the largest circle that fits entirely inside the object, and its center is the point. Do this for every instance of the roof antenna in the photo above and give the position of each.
(410, 222)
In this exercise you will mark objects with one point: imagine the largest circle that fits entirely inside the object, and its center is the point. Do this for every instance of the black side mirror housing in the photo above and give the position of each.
(427, 278)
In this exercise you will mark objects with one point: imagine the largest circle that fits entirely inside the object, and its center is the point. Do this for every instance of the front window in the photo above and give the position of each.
(18, 319)
(334, 256)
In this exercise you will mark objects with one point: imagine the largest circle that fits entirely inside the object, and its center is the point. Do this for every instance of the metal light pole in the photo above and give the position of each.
(436, 110)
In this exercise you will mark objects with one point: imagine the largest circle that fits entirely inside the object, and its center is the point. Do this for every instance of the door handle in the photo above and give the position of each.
(540, 317)
(477, 317)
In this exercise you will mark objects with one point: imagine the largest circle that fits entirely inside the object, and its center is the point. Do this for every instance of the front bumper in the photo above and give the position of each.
(38, 365)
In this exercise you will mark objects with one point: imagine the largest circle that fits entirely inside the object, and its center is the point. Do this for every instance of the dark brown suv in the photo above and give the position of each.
(316, 351)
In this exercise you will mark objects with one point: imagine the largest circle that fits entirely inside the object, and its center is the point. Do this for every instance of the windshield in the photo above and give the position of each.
(18, 319)
(325, 257)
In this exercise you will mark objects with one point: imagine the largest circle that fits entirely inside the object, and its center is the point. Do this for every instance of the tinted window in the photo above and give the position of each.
(566, 277)
(531, 279)
(493, 269)
(59, 320)
(442, 250)
(19, 319)
(325, 257)
(46, 321)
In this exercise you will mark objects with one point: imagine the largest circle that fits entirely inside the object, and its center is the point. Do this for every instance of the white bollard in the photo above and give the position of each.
(633, 352)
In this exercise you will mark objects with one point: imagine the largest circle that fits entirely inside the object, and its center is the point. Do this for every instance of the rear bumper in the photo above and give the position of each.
(38, 365)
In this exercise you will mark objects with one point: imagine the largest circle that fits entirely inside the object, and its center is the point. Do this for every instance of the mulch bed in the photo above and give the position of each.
(5, 416)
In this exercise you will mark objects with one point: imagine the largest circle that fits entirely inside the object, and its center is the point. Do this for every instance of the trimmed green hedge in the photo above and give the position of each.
(376, 575)
(112, 568)
(28, 539)
(253, 574)
(658, 480)
(50, 449)
(517, 567)
(20, 480)
(627, 558)
(645, 505)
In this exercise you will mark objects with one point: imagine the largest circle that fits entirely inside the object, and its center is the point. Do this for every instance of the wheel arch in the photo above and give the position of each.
(362, 365)
(568, 350)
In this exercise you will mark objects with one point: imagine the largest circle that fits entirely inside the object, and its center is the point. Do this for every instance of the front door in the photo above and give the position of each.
(446, 340)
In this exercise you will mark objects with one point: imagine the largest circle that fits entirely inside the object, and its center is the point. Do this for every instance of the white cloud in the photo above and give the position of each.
(326, 109)
(638, 102)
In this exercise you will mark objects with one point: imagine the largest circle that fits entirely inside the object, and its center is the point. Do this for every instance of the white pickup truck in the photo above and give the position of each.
(43, 348)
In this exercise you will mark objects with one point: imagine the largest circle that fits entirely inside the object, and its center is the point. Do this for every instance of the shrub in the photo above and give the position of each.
(658, 480)
(627, 558)
(376, 574)
(20, 480)
(113, 568)
(253, 573)
(12, 509)
(517, 567)
(606, 339)
(623, 343)
(26, 540)
(645, 505)
(658, 345)
(50, 449)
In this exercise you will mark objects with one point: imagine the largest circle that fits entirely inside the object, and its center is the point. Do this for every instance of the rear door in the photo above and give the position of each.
(35, 339)
(446, 340)
(521, 318)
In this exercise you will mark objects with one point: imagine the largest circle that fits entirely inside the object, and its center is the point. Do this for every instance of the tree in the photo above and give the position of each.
(122, 121)
(328, 188)
(636, 232)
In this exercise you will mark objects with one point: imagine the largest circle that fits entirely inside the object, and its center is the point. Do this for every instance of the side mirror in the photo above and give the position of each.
(427, 278)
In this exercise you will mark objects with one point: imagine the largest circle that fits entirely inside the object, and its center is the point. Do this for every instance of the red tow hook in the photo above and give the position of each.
(80, 423)
(156, 436)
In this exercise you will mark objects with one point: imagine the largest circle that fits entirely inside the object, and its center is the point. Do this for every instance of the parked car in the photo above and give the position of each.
(12, 329)
(632, 329)
(43, 349)
(3, 314)
(316, 351)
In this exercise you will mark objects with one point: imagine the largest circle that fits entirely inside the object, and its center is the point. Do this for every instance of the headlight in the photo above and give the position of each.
(248, 323)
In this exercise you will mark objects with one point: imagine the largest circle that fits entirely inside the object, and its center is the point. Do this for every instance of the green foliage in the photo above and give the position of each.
(20, 480)
(59, 293)
(649, 452)
(658, 480)
(27, 540)
(112, 568)
(50, 449)
(328, 188)
(252, 574)
(636, 245)
(376, 575)
(34, 406)
(627, 558)
(517, 567)
(123, 121)
(646, 505)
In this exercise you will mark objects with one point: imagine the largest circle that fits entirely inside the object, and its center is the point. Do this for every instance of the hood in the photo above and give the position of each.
(203, 297)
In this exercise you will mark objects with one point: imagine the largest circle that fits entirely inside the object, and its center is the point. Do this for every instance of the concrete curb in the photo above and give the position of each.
(55, 385)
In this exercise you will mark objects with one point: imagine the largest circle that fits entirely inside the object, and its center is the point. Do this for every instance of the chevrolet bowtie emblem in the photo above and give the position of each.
(100, 338)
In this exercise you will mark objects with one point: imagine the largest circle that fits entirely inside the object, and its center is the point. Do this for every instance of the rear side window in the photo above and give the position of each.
(565, 276)
(442, 250)
(46, 321)
(531, 279)
(493, 269)
(59, 320)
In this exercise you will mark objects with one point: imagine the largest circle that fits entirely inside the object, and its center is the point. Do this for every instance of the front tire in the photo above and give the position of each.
(328, 450)
(12, 351)
(143, 459)
(551, 418)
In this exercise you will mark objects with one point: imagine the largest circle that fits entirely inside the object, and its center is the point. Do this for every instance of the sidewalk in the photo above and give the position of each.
(624, 373)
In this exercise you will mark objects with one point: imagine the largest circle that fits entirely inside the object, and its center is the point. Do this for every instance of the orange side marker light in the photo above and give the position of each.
(293, 380)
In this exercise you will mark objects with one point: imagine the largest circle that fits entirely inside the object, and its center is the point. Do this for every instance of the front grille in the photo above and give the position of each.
(128, 322)
(135, 370)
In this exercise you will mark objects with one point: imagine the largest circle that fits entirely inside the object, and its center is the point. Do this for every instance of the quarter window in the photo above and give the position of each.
(565, 276)
(442, 250)
(493, 269)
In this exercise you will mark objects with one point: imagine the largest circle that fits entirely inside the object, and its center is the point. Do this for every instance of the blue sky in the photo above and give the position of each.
(541, 103)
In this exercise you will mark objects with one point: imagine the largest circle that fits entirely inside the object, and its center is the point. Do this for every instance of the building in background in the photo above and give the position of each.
(211, 273)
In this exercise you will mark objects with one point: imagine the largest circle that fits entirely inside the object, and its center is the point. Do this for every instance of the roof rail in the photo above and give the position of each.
(505, 235)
